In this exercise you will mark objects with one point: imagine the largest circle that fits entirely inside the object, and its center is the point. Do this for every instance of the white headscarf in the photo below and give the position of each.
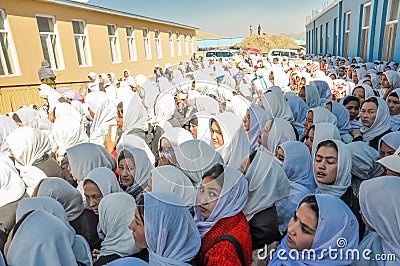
(207, 104)
(343, 117)
(143, 167)
(116, 212)
(28, 116)
(323, 89)
(64, 193)
(133, 141)
(368, 91)
(171, 234)
(105, 113)
(391, 139)
(203, 128)
(268, 184)
(321, 114)
(385, 220)
(195, 157)
(135, 115)
(93, 86)
(299, 109)
(68, 132)
(7, 125)
(381, 123)
(44, 240)
(324, 131)
(258, 119)
(28, 145)
(276, 105)
(280, 132)
(164, 110)
(114, 79)
(105, 180)
(12, 188)
(393, 78)
(343, 174)
(65, 109)
(236, 144)
(80, 246)
(312, 96)
(232, 200)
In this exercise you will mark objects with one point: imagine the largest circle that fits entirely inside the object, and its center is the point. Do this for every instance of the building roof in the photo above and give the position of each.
(107, 10)
(320, 13)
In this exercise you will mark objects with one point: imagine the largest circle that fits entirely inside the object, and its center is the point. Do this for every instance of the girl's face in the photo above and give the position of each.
(394, 105)
(126, 172)
(93, 196)
(246, 121)
(326, 165)
(280, 154)
(309, 122)
(216, 135)
(208, 195)
(385, 150)
(355, 77)
(354, 109)
(302, 93)
(310, 139)
(360, 94)
(368, 113)
(137, 228)
(302, 228)
(167, 154)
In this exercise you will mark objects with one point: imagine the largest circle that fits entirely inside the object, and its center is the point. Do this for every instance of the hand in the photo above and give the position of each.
(109, 144)
(355, 132)
(56, 154)
(95, 254)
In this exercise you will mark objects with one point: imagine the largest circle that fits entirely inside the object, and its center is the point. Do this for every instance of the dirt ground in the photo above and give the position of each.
(267, 42)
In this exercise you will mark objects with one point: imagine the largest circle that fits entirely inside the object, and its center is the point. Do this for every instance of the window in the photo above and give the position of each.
(390, 30)
(49, 39)
(7, 63)
(321, 39)
(178, 43)
(130, 37)
(317, 41)
(147, 47)
(81, 43)
(114, 44)
(326, 38)
(346, 34)
(191, 44)
(158, 43)
(336, 36)
(185, 37)
(171, 44)
(365, 30)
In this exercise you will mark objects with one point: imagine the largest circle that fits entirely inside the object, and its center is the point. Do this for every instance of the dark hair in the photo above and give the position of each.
(217, 173)
(124, 154)
(16, 118)
(252, 155)
(18, 224)
(394, 94)
(312, 203)
(351, 98)
(194, 121)
(327, 143)
(140, 206)
(372, 100)
(120, 107)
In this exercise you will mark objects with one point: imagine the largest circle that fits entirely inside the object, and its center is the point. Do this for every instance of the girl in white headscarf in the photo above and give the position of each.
(276, 105)
(318, 115)
(12, 190)
(116, 211)
(319, 132)
(268, 185)
(27, 117)
(195, 157)
(43, 239)
(134, 170)
(299, 110)
(168, 142)
(134, 116)
(384, 234)
(393, 101)
(93, 85)
(390, 81)
(80, 246)
(229, 138)
(221, 198)
(165, 227)
(343, 120)
(324, 90)
(310, 95)
(113, 78)
(363, 92)
(358, 74)
(7, 125)
(332, 168)
(388, 144)
(108, 87)
(375, 118)
(84, 221)
(103, 112)
(275, 132)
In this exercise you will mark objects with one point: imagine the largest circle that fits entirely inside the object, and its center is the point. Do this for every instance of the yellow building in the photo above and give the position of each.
(78, 38)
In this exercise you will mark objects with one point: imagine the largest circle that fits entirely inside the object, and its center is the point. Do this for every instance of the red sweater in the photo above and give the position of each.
(224, 252)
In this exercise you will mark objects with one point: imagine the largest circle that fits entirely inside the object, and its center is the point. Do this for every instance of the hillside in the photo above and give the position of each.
(267, 42)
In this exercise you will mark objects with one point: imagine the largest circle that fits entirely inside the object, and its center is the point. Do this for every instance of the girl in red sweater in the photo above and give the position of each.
(225, 233)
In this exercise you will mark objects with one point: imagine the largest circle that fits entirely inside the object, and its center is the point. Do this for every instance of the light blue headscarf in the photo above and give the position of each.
(171, 234)
(298, 167)
(323, 89)
(232, 200)
(321, 114)
(343, 117)
(276, 105)
(381, 123)
(312, 96)
(343, 174)
(258, 118)
(299, 110)
(379, 198)
(336, 222)
(127, 261)
(324, 131)
(392, 140)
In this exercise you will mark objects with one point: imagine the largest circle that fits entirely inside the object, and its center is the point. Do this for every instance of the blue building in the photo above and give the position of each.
(365, 28)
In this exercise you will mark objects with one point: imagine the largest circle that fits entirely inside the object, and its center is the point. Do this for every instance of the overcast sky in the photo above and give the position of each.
(230, 18)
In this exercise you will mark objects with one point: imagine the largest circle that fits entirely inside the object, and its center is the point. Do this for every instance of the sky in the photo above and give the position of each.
(231, 18)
